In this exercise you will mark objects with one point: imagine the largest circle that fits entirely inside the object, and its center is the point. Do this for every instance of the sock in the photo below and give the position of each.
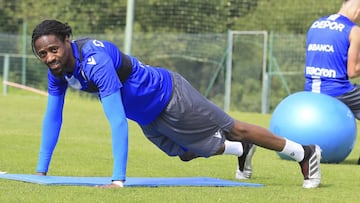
(234, 148)
(293, 150)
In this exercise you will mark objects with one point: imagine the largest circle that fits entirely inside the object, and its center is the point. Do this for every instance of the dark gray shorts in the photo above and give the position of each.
(190, 122)
(352, 100)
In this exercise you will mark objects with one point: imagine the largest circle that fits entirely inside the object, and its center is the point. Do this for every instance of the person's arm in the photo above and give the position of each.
(50, 132)
(353, 66)
(114, 111)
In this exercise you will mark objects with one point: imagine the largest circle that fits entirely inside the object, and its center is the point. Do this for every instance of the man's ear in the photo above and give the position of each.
(67, 39)
(357, 14)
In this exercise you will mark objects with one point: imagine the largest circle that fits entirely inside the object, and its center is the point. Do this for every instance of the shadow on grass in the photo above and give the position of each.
(346, 162)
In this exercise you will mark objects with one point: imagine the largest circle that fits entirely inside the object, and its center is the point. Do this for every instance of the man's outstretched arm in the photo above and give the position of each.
(50, 132)
(115, 113)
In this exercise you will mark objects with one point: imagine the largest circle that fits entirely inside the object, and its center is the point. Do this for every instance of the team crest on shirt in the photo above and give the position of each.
(91, 61)
(98, 43)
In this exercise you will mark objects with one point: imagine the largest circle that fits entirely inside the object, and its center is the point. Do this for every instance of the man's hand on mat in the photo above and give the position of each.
(114, 184)
(40, 173)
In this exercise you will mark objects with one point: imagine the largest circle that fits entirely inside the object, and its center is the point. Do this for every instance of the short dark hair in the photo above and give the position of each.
(48, 27)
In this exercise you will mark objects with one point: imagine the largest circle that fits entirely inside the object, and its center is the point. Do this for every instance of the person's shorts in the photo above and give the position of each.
(190, 122)
(352, 100)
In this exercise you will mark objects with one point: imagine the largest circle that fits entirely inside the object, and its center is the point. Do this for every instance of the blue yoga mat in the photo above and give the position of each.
(130, 181)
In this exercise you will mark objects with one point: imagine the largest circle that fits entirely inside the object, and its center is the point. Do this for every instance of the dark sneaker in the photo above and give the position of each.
(244, 170)
(310, 166)
(359, 161)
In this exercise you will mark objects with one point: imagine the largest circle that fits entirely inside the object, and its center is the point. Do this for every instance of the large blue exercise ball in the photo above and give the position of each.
(314, 118)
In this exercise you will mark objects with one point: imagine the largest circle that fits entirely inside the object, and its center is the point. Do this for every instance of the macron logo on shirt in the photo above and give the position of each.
(91, 61)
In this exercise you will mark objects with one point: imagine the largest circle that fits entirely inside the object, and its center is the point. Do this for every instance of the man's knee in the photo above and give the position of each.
(239, 132)
(188, 156)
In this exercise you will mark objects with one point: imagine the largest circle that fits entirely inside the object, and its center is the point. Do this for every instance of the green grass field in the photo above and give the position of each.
(84, 149)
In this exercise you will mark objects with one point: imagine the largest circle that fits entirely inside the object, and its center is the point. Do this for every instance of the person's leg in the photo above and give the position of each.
(157, 135)
(244, 152)
(167, 145)
(307, 156)
(352, 100)
(227, 148)
(192, 121)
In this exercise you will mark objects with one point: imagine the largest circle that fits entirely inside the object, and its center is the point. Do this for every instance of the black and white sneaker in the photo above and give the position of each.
(244, 170)
(310, 166)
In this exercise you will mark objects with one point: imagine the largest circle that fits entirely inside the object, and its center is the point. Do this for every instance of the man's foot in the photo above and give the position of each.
(359, 161)
(310, 166)
(244, 170)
